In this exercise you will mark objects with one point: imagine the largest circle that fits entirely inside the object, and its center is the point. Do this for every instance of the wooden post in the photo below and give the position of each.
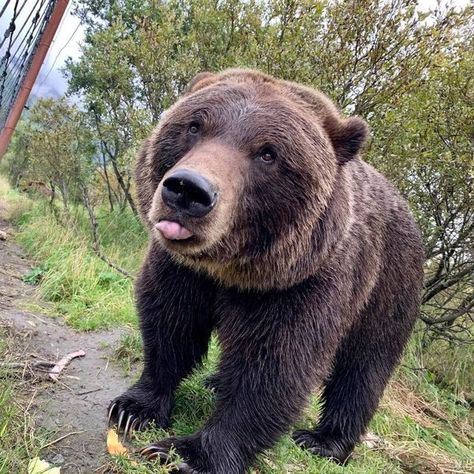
(31, 75)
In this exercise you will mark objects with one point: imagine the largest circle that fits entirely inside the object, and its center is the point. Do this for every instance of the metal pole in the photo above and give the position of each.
(32, 74)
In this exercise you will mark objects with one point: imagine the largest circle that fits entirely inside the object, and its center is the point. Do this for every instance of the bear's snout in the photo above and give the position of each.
(195, 203)
(189, 193)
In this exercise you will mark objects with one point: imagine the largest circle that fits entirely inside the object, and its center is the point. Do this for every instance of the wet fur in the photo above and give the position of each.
(313, 278)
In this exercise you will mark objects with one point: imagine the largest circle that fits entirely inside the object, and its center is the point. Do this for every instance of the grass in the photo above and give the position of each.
(81, 287)
(424, 423)
(20, 441)
(420, 426)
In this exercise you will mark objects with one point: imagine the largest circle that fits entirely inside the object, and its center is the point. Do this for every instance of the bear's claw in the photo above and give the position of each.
(161, 451)
(321, 446)
(136, 408)
(109, 415)
(120, 419)
(153, 451)
(128, 425)
(126, 422)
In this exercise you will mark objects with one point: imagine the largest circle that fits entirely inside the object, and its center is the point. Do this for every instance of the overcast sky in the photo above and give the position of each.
(67, 44)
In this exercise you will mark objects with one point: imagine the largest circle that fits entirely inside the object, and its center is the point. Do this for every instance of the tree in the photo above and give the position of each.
(426, 146)
(56, 147)
(405, 71)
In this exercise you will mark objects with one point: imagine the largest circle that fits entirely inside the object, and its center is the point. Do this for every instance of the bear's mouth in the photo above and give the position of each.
(172, 230)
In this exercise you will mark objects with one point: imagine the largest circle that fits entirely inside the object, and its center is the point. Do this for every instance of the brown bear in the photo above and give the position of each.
(267, 227)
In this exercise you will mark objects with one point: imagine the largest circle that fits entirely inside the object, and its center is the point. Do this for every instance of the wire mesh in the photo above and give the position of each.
(22, 23)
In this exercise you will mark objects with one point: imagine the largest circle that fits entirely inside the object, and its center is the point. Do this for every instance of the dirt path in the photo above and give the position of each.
(77, 403)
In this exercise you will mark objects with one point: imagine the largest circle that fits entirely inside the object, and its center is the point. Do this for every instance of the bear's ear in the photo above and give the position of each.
(199, 81)
(348, 136)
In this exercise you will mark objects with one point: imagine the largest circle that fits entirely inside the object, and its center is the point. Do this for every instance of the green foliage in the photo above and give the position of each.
(33, 277)
(425, 145)
(82, 287)
(54, 148)
(364, 53)
(129, 350)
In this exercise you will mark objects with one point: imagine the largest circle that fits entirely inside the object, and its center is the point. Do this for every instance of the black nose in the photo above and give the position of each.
(189, 192)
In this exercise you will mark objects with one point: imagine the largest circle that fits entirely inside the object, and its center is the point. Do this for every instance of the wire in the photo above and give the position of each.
(35, 29)
(57, 55)
(36, 23)
(6, 58)
(18, 61)
(4, 8)
(35, 19)
(26, 31)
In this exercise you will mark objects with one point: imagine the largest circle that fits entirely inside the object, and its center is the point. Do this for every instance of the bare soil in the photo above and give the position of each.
(74, 406)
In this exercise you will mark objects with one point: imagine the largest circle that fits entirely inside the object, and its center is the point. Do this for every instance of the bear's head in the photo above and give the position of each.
(239, 174)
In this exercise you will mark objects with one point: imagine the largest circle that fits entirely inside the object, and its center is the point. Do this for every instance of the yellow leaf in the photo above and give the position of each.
(37, 466)
(114, 446)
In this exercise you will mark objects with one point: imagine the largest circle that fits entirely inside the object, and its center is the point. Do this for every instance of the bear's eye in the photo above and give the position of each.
(266, 156)
(194, 128)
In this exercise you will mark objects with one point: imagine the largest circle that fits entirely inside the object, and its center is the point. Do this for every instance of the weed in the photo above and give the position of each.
(33, 277)
(83, 288)
(20, 441)
(129, 350)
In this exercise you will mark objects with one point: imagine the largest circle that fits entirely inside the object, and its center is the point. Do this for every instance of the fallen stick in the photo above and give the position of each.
(21, 365)
(60, 439)
(88, 391)
(59, 367)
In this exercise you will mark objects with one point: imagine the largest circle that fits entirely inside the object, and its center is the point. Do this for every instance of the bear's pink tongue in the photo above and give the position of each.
(173, 231)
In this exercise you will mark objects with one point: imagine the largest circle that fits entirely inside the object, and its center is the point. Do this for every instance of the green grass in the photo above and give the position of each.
(424, 422)
(129, 350)
(81, 287)
(422, 427)
(20, 441)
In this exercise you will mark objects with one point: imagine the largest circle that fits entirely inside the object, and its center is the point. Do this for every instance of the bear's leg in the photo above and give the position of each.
(174, 306)
(274, 351)
(364, 363)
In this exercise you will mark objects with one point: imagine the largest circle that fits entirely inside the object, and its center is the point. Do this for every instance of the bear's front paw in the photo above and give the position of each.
(336, 450)
(138, 407)
(186, 447)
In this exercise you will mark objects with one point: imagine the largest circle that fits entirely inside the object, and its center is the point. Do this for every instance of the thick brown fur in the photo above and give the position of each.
(309, 268)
